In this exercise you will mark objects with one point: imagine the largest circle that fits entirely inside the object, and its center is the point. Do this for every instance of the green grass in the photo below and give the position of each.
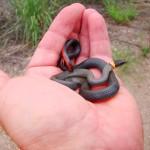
(33, 18)
(120, 11)
(145, 51)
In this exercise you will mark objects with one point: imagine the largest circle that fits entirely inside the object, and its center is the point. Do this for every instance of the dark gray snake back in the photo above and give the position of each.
(85, 88)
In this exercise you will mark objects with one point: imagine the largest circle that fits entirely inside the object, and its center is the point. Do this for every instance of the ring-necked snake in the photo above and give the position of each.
(80, 75)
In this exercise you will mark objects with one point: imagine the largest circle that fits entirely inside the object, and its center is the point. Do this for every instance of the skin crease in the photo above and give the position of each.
(38, 113)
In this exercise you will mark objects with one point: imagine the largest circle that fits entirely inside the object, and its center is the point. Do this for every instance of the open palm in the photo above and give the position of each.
(38, 113)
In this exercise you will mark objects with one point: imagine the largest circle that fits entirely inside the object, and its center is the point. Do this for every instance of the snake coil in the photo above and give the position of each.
(80, 75)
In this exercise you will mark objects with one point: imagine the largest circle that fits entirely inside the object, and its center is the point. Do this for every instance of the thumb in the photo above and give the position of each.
(3, 78)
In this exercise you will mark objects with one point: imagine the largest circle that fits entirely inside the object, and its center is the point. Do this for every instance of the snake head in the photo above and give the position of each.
(119, 62)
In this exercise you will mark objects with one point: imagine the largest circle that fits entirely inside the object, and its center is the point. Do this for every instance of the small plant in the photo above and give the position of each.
(145, 51)
(120, 11)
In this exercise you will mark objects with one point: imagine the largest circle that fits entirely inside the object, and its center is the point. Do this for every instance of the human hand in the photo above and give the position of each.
(38, 113)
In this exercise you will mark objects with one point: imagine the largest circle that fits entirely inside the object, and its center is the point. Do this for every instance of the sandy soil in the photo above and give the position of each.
(133, 37)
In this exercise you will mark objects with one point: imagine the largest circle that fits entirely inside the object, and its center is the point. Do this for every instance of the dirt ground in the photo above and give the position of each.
(133, 38)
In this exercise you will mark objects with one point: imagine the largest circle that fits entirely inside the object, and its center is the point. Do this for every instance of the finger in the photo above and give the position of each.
(75, 33)
(99, 40)
(84, 36)
(48, 50)
(46, 71)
